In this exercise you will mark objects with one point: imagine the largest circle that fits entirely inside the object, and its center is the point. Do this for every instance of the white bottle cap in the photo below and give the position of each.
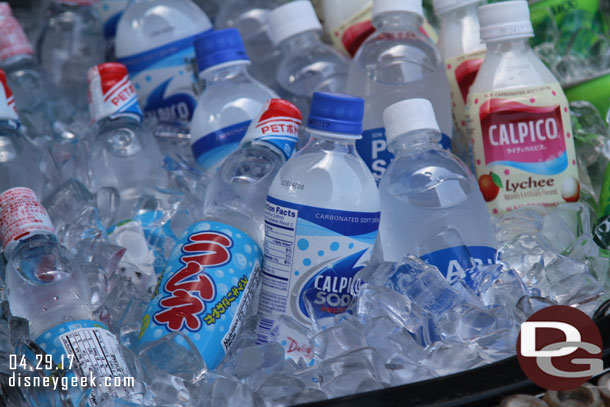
(290, 19)
(387, 6)
(443, 6)
(408, 115)
(505, 20)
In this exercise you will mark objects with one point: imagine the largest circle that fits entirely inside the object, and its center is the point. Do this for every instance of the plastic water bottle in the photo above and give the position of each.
(230, 100)
(44, 288)
(70, 43)
(250, 17)
(124, 154)
(43, 110)
(518, 118)
(110, 12)
(430, 204)
(463, 52)
(154, 39)
(213, 273)
(396, 62)
(306, 65)
(18, 158)
(321, 221)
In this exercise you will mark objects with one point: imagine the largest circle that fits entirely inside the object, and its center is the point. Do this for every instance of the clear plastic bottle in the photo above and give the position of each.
(430, 204)
(110, 12)
(394, 63)
(250, 17)
(43, 110)
(223, 249)
(321, 221)
(18, 158)
(124, 154)
(230, 100)
(43, 287)
(154, 39)
(70, 43)
(463, 51)
(518, 118)
(306, 65)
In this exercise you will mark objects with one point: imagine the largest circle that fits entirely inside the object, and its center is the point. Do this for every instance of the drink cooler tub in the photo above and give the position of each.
(484, 386)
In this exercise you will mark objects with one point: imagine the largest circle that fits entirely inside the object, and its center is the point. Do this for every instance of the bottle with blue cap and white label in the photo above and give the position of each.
(154, 40)
(431, 205)
(230, 100)
(213, 274)
(396, 62)
(321, 221)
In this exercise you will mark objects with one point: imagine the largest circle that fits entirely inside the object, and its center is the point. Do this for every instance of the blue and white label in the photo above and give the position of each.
(211, 149)
(455, 262)
(206, 289)
(91, 349)
(164, 79)
(373, 148)
(311, 257)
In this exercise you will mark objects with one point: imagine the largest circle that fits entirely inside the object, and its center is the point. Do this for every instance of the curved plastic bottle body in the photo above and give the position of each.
(154, 39)
(70, 44)
(125, 156)
(44, 111)
(459, 34)
(227, 106)
(110, 12)
(239, 188)
(18, 161)
(250, 18)
(306, 66)
(42, 288)
(431, 207)
(511, 64)
(392, 65)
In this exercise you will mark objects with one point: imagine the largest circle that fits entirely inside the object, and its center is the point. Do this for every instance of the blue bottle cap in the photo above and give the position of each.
(217, 47)
(336, 113)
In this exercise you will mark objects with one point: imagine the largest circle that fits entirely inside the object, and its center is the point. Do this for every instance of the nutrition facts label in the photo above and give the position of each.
(96, 350)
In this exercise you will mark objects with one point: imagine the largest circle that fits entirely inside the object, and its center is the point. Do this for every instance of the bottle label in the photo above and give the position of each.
(211, 149)
(13, 40)
(21, 216)
(461, 72)
(277, 126)
(373, 148)
(8, 109)
(90, 349)
(455, 263)
(351, 33)
(523, 147)
(164, 79)
(206, 289)
(311, 257)
(109, 97)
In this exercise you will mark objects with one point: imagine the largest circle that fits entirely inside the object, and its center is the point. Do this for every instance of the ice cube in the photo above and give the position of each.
(346, 335)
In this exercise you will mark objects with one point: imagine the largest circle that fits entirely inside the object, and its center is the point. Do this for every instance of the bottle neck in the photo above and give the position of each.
(225, 72)
(298, 42)
(514, 45)
(416, 140)
(398, 21)
(465, 21)
(331, 142)
(18, 62)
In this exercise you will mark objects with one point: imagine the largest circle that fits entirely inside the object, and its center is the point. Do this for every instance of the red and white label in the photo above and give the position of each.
(13, 40)
(21, 216)
(111, 92)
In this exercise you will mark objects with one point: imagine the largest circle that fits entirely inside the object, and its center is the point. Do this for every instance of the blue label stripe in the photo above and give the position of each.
(455, 262)
(227, 135)
(551, 167)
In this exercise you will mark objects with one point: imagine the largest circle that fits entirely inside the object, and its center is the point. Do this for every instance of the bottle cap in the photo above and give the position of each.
(7, 102)
(335, 113)
(217, 47)
(386, 6)
(443, 6)
(408, 115)
(290, 19)
(505, 20)
(13, 40)
(111, 93)
(276, 126)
